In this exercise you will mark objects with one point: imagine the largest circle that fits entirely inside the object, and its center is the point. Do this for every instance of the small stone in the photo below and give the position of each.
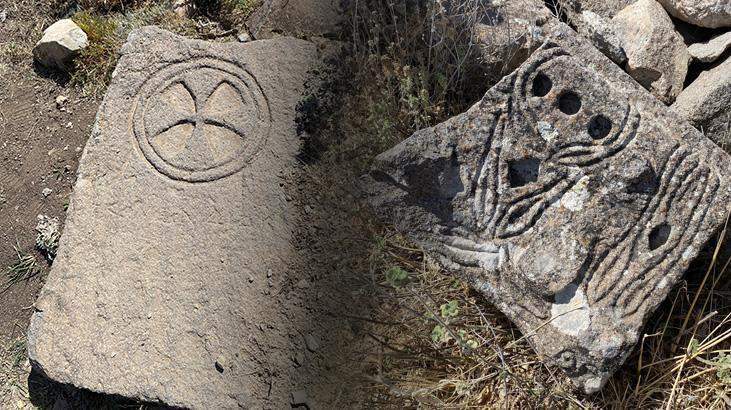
(60, 43)
(300, 398)
(308, 209)
(303, 284)
(706, 104)
(312, 343)
(61, 101)
(704, 13)
(657, 57)
(600, 32)
(245, 36)
(182, 8)
(46, 192)
(710, 51)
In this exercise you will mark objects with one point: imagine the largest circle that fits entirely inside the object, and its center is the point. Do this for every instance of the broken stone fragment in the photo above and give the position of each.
(178, 202)
(710, 51)
(60, 43)
(601, 33)
(657, 56)
(704, 13)
(568, 196)
(706, 103)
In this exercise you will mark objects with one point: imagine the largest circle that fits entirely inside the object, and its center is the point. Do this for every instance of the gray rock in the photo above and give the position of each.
(60, 43)
(706, 103)
(601, 33)
(605, 8)
(568, 196)
(177, 201)
(710, 51)
(657, 56)
(704, 13)
(510, 32)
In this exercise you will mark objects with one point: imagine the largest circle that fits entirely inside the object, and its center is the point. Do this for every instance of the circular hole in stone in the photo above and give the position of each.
(541, 85)
(659, 235)
(569, 103)
(599, 127)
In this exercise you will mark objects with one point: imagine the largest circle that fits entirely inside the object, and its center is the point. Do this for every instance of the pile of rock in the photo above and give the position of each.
(659, 53)
(678, 50)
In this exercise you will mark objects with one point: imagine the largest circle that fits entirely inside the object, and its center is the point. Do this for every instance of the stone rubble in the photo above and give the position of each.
(657, 56)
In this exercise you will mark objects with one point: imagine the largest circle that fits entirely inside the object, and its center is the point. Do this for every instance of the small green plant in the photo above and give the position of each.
(449, 309)
(397, 277)
(439, 334)
(25, 268)
(94, 66)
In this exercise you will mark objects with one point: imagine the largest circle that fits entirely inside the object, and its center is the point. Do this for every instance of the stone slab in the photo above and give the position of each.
(178, 206)
(569, 196)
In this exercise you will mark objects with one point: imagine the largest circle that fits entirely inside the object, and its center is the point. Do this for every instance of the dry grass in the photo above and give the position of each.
(472, 356)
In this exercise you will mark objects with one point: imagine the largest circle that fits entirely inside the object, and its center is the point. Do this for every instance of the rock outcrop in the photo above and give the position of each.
(61, 42)
(568, 195)
(704, 13)
(159, 288)
(657, 56)
(706, 103)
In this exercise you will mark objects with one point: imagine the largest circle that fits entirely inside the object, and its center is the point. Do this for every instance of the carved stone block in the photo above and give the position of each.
(178, 206)
(568, 195)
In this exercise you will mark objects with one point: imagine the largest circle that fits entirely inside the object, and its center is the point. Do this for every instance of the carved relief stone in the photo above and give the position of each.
(568, 195)
(178, 215)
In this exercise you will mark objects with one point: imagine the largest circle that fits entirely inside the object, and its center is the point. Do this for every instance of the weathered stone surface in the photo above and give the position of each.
(568, 195)
(657, 56)
(704, 13)
(601, 33)
(604, 8)
(706, 103)
(510, 32)
(710, 51)
(60, 43)
(178, 206)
